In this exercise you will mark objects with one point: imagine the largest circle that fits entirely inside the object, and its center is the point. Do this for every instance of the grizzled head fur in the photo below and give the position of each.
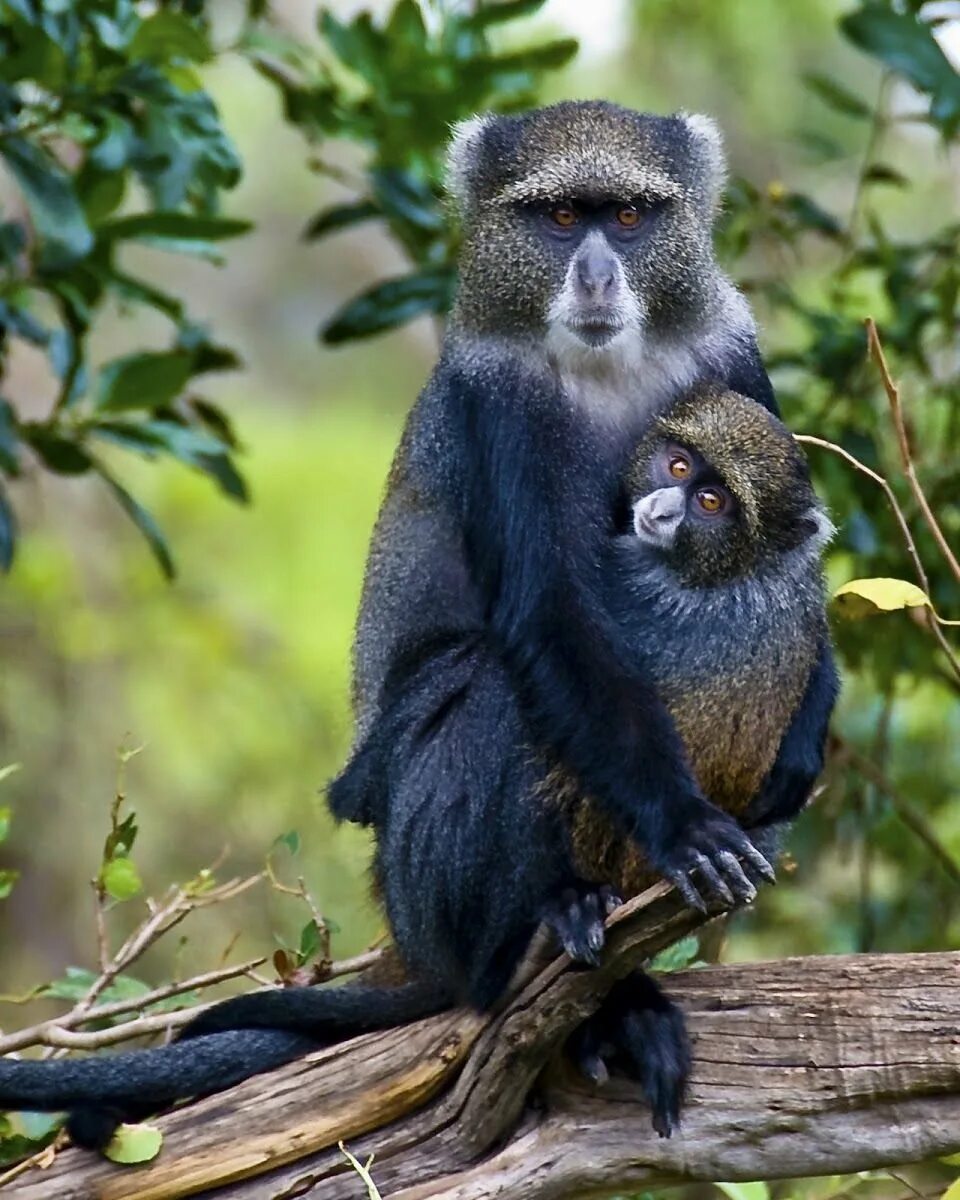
(501, 167)
(751, 454)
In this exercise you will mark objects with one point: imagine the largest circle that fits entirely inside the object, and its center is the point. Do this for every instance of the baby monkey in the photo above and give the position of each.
(719, 586)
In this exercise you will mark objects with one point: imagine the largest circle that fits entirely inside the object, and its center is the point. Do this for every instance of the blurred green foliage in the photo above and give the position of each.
(122, 130)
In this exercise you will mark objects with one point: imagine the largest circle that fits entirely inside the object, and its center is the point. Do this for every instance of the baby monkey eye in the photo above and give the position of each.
(629, 216)
(711, 501)
(679, 466)
(564, 215)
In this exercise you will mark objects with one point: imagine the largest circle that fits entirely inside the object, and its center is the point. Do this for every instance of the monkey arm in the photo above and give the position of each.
(535, 496)
(799, 760)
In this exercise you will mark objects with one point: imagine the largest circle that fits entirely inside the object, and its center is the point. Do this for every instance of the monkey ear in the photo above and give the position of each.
(816, 524)
(709, 141)
(463, 156)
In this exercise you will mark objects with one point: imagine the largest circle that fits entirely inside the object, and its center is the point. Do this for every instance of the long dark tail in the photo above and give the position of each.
(228, 1043)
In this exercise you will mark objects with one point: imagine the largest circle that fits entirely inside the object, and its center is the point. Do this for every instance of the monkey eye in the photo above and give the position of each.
(679, 466)
(629, 216)
(564, 215)
(711, 501)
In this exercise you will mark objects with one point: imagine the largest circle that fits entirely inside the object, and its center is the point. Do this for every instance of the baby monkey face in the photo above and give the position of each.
(685, 488)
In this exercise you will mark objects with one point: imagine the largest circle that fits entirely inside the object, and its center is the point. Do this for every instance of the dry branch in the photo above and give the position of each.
(803, 1066)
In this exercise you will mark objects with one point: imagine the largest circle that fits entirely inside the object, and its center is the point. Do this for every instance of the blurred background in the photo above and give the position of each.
(234, 677)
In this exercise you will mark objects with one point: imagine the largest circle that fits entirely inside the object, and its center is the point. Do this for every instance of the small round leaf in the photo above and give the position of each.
(134, 1144)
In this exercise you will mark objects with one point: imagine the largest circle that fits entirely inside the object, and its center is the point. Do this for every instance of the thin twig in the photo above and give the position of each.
(41, 1160)
(896, 409)
(37, 1034)
(931, 623)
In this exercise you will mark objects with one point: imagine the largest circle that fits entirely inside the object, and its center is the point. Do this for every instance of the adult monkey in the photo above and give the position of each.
(589, 298)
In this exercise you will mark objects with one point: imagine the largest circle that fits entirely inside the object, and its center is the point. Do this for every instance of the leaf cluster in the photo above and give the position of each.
(109, 140)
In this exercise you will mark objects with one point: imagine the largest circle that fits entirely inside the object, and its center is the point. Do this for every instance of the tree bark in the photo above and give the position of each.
(803, 1066)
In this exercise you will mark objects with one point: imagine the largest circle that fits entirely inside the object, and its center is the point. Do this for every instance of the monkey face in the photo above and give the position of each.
(719, 490)
(585, 222)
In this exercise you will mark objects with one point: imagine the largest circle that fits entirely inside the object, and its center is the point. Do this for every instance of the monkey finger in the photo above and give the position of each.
(737, 878)
(684, 885)
(753, 858)
(713, 878)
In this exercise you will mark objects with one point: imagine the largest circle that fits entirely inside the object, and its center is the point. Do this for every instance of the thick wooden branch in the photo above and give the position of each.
(803, 1066)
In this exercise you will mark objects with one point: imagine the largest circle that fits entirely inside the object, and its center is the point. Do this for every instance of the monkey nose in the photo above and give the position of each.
(596, 272)
(666, 505)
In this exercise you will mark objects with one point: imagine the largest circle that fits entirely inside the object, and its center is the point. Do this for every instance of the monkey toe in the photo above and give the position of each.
(92, 1127)
(639, 1030)
(576, 916)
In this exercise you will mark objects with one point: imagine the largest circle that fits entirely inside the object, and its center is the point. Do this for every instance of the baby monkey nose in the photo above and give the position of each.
(596, 270)
(666, 505)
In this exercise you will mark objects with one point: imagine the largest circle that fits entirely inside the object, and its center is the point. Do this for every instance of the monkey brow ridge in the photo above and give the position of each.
(584, 176)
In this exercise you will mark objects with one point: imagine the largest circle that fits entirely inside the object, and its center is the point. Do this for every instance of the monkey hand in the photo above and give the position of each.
(710, 845)
(576, 915)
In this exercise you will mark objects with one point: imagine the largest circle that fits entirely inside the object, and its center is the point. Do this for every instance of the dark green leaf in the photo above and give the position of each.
(404, 196)
(168, 35)
(100, 192)
(836, 95)
(13, 240)
(358, 45)
(143, 521)
(809, 215)
(147, 380)
(406, 25)
(493, 13)
(56, 213)
(215, 420)
(310, 941)
(882, 173)
(9, 439)
(290, 839)
(390, 304)
(176, 226)
(8, 532)
(58, 452)
(906, 44)
(340, 216)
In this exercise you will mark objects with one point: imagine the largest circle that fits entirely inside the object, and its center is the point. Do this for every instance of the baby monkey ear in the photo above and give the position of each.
(816, 524)
(708, 142)
(463, 157)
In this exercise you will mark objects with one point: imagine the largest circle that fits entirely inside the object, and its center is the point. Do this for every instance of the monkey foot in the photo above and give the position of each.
(644, 1034)
(576, 915)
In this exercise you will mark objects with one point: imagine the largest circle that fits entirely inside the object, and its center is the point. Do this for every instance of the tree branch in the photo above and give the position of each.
(802, 1066)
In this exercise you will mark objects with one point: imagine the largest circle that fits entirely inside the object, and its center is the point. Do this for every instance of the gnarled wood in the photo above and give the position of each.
(803, 1066)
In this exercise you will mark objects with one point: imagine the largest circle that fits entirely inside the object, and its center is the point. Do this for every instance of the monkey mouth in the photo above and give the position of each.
(596, 331)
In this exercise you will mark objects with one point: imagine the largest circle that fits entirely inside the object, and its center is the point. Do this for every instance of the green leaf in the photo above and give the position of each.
(290, 839)
(359, 45)
(8, 878)
(836, 96)
(745, 1191)
(404, 196)
(867, 597)
(809, 215)
(310, 941)
(392, 303)
(5, 810)
(75, 983)
(134, 1144)
(175, 226)
(952, 1192)
(681, 954)
(143, 521)
(340, 216)
(120, 878)
(498, 13)
(168, 35)
(61, 454)
(883, 173)
(905, 43)
(57, 214)
(146, 380)
(8, 439)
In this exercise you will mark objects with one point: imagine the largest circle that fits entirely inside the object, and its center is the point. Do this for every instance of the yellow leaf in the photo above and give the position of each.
(952, 1192)
(134, 1144)
(867, 597)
